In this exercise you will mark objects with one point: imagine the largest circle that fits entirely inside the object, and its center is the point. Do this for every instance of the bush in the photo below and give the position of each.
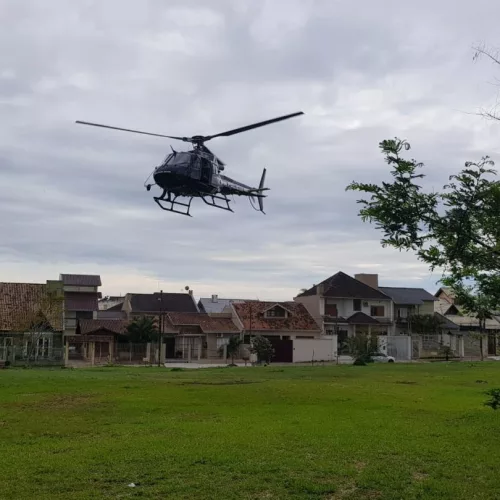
(494, 401)
(359, 362)
(263, 348)
(361, 347)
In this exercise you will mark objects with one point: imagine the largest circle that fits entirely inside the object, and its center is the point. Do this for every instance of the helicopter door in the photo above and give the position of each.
(206, 171)
(196, 169)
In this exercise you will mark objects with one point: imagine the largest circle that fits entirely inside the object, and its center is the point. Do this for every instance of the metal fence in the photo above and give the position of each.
(20, 356)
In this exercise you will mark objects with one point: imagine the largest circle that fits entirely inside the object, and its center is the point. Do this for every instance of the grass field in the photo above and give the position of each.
(375, 432)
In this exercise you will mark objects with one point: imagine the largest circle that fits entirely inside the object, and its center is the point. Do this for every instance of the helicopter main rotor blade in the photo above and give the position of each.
(255, 125)
(185, 139)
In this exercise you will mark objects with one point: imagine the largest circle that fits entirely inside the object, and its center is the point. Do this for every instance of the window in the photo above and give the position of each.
(356, 303)
(276, 312)
(84, 314)
(377, 311)
(222, 341)
(402, 312)
(331, 310)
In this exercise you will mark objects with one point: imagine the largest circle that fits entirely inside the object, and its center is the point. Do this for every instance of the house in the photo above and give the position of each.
(196, 335)
(469, 325)
(281, 322)
(216, 305)
(110, 301)
(81, 297)
(344, 305)
(97, 339)
(31, 322)
(408, 302)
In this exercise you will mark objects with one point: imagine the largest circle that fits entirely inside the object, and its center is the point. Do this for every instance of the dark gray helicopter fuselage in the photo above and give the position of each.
(191, 173)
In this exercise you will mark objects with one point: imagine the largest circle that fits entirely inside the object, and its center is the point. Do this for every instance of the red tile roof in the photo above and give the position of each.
(208, 324)
(251, 314)
(21, 301)
(91, 326)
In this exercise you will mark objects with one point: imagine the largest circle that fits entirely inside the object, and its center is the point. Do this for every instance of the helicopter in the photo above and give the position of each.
(196, 173)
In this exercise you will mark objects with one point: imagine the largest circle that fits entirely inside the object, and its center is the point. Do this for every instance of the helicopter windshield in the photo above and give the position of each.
(182, 159)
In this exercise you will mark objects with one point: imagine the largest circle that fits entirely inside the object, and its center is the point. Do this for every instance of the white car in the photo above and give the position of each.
(380, 357)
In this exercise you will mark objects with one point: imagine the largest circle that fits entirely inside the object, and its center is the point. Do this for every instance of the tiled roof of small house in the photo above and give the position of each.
(89, 326)
(342, 285)
(19, 302)
(360, 318)
(252, 315)
(216, 305)
(81, 279)
(207, 324)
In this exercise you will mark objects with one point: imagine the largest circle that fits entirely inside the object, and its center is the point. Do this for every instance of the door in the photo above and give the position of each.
(492, 344)
(170, 347)
(283, 350)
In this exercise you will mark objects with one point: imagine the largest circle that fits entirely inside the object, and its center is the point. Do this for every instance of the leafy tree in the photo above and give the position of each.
(426, 323)
(142, 330)
(263, 348)
(232, 347)
(455, 230)
(362, 347)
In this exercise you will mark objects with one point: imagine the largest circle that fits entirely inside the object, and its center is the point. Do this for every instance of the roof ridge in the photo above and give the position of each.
(20, 283)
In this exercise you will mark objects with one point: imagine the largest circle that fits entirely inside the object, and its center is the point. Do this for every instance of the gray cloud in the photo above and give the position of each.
(72, 198)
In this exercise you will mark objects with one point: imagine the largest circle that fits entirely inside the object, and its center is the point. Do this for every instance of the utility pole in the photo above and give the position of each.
(160, 332)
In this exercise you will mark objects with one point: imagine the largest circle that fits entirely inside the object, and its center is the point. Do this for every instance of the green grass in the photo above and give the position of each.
(376, 432)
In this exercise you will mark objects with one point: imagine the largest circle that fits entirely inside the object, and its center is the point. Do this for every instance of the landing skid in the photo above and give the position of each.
(212, 201)
(170, 203)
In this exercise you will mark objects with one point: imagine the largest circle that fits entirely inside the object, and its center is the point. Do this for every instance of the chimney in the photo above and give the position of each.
(368, 279)
(215, 299)
(320, 289)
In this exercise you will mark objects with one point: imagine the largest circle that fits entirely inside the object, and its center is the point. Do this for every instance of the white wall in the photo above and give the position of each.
(345, 307)
(314, 306)
(305, 350)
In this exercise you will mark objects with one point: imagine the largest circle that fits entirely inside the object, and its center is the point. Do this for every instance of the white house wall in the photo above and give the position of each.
(307, 350)
(345, 307)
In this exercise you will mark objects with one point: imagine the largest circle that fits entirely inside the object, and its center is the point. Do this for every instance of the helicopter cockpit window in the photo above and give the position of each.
(196, 168)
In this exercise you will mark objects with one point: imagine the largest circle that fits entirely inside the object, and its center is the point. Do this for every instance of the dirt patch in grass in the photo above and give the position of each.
(360, 466)
(419, 476)
(61, 402)
(405, 382)
(223, 382)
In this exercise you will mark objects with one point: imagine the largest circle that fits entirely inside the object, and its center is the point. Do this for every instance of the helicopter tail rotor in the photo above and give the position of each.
(261, 188)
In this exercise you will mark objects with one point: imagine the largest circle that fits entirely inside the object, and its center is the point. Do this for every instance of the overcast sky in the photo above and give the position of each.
(72, 198)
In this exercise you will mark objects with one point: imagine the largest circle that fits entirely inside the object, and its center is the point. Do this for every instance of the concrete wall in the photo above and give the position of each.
(305, 350)
(314, 306)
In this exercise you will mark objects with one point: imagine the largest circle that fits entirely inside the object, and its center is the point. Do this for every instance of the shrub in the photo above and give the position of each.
(494, 401)
(263, 348)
